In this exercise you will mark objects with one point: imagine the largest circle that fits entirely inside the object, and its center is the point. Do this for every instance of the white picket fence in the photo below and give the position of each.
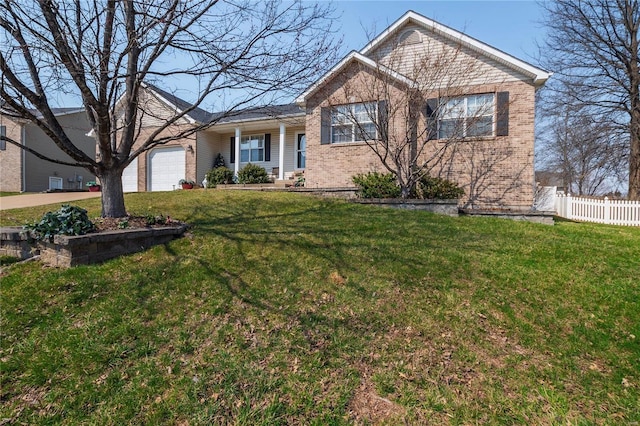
(612, 212)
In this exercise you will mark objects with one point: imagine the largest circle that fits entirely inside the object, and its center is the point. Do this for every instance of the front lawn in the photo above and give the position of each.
(287, 309)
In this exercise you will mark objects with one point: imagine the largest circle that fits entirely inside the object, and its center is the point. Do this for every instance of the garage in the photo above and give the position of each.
(166, 168)
(130, 177)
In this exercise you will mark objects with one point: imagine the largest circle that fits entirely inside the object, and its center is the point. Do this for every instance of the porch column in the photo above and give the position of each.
(237, 152)
(281, 159)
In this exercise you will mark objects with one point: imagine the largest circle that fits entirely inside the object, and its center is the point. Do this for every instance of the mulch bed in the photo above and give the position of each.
(133, 222)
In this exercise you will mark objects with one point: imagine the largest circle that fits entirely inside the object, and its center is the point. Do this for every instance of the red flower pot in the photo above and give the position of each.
(94, 188)
(187, 186)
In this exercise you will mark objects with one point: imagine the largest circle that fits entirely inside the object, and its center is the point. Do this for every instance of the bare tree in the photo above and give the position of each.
(427, 120)
(593, 47)
(589, 155)
(237, 53)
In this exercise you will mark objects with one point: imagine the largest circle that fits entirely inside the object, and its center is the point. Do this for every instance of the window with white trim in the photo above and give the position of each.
(252, 149)
(353, 122)
(467, 116)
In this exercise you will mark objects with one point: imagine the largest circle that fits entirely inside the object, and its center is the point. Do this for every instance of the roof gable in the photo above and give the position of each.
(177, 104)
(352, 57)
(538, 75)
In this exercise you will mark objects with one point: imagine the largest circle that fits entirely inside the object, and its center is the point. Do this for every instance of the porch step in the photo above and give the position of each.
(283, 183)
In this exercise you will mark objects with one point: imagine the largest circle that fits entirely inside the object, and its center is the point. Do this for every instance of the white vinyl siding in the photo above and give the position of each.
(402, 58)
(222, 145)
(130, 177)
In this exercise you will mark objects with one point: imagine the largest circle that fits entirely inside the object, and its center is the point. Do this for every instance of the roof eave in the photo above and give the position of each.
(189, 118)
(538, 75)
(352, 56)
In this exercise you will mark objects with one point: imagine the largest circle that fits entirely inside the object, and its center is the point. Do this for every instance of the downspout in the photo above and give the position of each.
(23, 141)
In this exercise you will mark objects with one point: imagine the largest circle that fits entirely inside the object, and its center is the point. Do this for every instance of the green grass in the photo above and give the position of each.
(286, 309)
(8, 194)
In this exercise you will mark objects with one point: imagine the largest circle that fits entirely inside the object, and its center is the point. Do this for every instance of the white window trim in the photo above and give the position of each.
(263, 149)
(295, 152)
(353, 125)
(465, 117)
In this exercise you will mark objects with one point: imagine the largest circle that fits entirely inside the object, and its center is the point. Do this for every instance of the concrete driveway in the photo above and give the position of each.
(32, 200)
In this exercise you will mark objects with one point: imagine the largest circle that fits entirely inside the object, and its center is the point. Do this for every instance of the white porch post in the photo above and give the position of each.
(237, 152)
(281, 156)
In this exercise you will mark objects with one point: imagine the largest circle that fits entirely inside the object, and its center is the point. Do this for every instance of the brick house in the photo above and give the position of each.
(490, 152)
(21, 171)
(492, 158)
(469, 92)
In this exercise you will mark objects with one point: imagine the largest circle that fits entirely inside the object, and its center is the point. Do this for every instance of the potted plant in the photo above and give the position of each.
(93, 186)
(186, 184)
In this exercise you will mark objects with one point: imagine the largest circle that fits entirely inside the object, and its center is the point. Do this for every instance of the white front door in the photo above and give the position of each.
(166, 168)
(130, 177)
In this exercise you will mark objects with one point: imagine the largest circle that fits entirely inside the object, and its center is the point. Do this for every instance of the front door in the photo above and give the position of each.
(301, 151)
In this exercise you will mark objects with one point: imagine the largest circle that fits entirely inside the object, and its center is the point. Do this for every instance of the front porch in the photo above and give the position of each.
(276, 144)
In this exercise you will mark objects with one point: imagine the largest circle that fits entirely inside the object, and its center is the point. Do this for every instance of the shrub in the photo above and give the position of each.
(218, 176)
(253, 174)
(218, 162)
(438, 188)
(377, 185)
(69, 220)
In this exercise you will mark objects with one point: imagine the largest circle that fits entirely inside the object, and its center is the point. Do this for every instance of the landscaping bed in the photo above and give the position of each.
(113, 237)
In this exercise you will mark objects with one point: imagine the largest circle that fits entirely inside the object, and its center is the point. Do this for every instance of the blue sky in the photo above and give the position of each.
(512, 26)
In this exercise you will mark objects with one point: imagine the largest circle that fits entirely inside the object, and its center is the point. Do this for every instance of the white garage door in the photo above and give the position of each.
(166, 168)
(130, 177)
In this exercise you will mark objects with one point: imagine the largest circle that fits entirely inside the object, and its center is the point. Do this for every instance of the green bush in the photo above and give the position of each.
(218, 176)
(434, 187)
(253, 174)
(377, 185)
(69, 220)
(219, 162)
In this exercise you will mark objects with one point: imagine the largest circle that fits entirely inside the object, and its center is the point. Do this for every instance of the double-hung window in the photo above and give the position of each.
(353, 122)
(467, 116)
(252, 148)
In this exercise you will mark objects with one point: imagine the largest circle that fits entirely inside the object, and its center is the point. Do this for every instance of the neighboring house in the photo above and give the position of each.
(21, 171)
(493, 162)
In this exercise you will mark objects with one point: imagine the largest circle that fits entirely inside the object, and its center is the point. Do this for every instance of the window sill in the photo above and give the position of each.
(469, 139)
(343, 144)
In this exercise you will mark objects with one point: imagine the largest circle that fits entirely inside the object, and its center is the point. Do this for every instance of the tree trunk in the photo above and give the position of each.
(405, 191)
(112, 195)
(634, 160)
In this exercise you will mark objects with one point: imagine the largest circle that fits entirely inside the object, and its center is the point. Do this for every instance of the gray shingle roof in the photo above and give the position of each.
(261, 113)
(198, 114)
(248, 114)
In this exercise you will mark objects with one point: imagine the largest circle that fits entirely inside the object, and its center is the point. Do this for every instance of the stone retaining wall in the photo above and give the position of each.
(66, 251)
(544, 217)
(445, 207)
(15, 244)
